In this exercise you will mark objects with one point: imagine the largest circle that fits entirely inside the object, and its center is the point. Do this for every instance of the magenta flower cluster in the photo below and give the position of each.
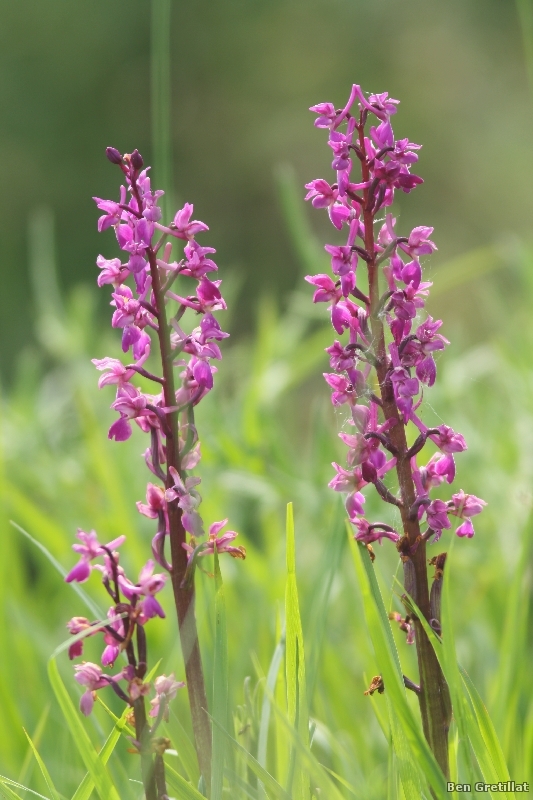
(133, 605)
(143, 239)
(411, 338)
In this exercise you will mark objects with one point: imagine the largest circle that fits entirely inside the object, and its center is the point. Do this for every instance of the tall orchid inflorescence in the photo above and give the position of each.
(387, 337)
(148, 310)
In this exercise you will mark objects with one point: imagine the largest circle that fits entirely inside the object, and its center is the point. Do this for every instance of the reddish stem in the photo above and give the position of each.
(183, 597)
(434, 696)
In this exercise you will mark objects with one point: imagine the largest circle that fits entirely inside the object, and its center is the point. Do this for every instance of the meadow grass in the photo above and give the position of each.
(291, 637)
(295, 642)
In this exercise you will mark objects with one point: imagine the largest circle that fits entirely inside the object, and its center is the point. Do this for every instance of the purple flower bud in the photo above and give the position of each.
(136, 160)
(113, 155)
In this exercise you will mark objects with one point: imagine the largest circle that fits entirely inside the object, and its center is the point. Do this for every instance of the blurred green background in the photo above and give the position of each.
(76, 78)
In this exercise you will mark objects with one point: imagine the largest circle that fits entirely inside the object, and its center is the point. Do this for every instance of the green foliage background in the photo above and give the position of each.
(76, 78)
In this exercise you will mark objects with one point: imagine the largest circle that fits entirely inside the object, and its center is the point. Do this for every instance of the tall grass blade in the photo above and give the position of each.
(185, 790)
(85, 789)
(37, 735)
(389, 663)
(298, 780)
(264, 721)
(91, 605)
(304, 241)
(97, 770)
(44, 771)
(220, 686)
(8, 792)
(474, 727)
(269, 782)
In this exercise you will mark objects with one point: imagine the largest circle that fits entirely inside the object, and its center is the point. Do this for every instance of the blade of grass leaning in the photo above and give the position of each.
(298, 779)
(264, 721)
(85, 789)
(269, 782)
(8, 792)
(514, 646)
(44, 771)
(280, 699)
(392, 774)
(235, 780)
(37, 735)
(186, 791)
(486, 728)
(304, 241)
(387, 657)
(474, 727)
(220, 686)
(451, 671)
(91, 605)
(333, 552)
(97, 770)
(407, 769)
(310, 763)
(348, 786)
(185, 748)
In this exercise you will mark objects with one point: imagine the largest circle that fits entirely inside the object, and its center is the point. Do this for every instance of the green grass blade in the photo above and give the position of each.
(91, 605)
(308, 249)
(185, 748)
(409, 774)
(271, 681)
(84, 790)
(389, 662)
(476, 728)
(97, 770)
(486, 728)
(298, 780)
(333, 553)
(514, 645)
(6, 783)
(90, 629)
(310, 763)
(220, 687)
(37, 735)
(44, 771)
(270, 783)
(186, 791)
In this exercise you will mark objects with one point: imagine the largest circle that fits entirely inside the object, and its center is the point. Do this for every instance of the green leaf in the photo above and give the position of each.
(178, 782)
(389, 664)
(271, 681)
(270, 783)
(91, 605)
(298, 779)
(44, 771)
(220, 686)
(478, 728)
(97, 770)
(6, 784)
(84, 790)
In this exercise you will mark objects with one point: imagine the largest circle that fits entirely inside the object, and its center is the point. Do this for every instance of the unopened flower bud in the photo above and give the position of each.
(113, 155)
(136, 160)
